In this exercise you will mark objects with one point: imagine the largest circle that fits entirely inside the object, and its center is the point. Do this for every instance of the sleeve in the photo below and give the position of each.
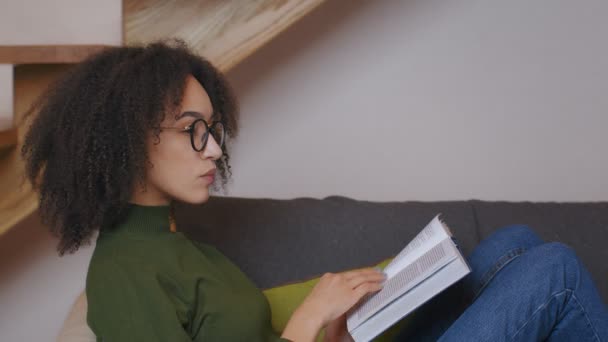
(135, 305)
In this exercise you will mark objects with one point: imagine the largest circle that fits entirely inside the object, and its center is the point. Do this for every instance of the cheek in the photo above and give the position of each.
(174, 163)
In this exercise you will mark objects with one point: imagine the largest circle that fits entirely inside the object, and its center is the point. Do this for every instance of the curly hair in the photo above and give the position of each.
(86, 147)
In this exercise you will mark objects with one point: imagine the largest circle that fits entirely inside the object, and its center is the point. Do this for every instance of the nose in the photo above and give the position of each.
(212, 149)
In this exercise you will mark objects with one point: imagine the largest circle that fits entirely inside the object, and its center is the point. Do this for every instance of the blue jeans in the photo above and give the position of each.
(520, 289)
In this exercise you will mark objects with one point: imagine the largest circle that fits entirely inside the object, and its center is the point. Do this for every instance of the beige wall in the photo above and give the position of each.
(37, 22)
(390, 100)
(6, 95)
(430, 100)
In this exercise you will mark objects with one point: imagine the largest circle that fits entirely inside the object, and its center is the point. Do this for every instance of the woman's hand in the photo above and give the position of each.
(332, 297)
(335, 293)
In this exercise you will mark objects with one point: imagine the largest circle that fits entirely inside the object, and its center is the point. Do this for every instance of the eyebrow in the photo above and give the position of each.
(195, 115)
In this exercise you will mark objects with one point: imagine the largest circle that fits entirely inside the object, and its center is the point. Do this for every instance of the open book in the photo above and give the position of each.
(429, 264)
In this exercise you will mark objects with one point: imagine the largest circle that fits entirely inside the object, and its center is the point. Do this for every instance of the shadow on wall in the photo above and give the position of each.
(292, 42)
(311, 29)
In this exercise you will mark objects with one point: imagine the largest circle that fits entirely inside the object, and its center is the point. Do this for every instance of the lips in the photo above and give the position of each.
(210, 173)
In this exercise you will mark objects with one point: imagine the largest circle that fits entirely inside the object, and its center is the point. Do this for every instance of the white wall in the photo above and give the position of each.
(430, 100)
(6, 96)
(389, 100)
(37, 287)
(40, 22)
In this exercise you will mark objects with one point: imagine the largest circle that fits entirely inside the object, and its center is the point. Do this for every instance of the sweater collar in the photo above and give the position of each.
(141, 219)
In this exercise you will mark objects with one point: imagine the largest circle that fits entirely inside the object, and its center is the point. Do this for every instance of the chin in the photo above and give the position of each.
(198, 198)
(202, 199)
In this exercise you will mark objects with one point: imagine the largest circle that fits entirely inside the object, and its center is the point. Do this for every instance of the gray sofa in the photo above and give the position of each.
(276, 242)
(282, 241)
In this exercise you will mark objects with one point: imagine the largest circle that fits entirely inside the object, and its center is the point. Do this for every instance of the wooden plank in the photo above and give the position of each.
(17, 199)
(225, 32)
(8, 137)
(42, 54)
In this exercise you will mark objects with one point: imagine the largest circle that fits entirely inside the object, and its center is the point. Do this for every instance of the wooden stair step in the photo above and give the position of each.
(225, 32)
(46, 54)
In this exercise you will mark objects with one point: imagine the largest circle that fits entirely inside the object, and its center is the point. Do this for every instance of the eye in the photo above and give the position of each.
(187, 129)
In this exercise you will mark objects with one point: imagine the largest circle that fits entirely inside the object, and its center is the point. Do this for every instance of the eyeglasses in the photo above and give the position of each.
(199, 133)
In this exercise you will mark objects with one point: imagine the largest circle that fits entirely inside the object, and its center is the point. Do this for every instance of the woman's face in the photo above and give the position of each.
(177, 169)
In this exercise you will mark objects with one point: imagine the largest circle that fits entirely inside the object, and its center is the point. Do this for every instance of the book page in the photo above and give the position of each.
(431, 235)
(410, 276)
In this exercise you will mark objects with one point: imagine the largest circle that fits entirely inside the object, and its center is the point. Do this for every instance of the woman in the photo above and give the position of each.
(131, 130)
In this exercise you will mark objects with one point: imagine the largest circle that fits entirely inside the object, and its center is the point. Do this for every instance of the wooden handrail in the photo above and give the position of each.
(8, 138)
(46, 54)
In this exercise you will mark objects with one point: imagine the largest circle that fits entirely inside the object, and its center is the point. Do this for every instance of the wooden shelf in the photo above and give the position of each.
(225, 32)
(8, 138)
(46, 54)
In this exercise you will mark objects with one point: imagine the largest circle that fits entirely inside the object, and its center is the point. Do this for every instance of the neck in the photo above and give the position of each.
(149, 196)
(149, 202)
(147, 219)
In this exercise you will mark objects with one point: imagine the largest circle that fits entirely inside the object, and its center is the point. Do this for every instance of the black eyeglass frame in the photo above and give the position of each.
(209, 128)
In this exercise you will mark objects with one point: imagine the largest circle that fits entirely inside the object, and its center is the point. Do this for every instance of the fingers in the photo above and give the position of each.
(363, 271)
(365, 279)
(368, 281)
(366, 288)
(362, 280)
(356, 278)
(343, 290)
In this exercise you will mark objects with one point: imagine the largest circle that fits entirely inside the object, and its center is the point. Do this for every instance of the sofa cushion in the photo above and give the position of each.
(75, 327)
(277, 241)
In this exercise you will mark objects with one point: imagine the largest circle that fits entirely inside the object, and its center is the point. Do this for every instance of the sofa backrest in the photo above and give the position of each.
(278, 241)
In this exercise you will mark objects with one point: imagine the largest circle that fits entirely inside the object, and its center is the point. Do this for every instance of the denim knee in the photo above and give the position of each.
(495, 252)
(560, 258)
(557, 252)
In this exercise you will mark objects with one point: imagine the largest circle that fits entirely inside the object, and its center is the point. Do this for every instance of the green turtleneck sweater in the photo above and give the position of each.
(146, 283)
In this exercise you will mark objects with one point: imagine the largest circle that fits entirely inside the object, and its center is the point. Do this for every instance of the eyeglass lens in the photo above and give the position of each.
(200, 134)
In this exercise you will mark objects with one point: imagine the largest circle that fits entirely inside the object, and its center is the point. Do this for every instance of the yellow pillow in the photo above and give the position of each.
(285, 299)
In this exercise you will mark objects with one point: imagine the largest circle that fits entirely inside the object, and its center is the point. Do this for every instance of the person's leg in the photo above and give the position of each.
(544, 294)
(492, 254)
(496, 252)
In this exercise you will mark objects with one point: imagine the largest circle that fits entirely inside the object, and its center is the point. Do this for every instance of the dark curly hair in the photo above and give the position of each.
(86, 146)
